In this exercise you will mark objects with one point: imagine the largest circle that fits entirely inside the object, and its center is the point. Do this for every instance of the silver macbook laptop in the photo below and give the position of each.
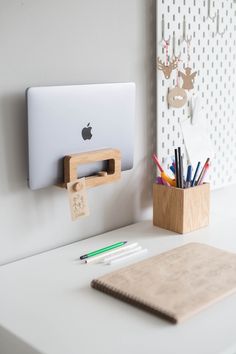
(64, 120)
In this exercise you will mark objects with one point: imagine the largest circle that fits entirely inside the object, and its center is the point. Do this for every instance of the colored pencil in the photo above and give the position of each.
(195, 174)
(155, 159)
(176, 168)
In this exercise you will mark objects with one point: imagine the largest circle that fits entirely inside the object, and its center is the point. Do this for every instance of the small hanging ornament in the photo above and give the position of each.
(177, 96)
(167, 66)
(188, 77)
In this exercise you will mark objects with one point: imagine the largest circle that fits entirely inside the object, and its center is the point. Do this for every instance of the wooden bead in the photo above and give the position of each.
(77, 186)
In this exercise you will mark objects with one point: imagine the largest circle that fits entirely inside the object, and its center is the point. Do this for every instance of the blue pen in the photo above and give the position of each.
(195, 174)
(189, 176)
(172, 169)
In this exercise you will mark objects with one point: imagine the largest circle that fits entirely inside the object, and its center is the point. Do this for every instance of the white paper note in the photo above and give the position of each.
(197, 141)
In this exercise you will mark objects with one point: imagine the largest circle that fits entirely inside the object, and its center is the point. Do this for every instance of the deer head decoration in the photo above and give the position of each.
(167, 69)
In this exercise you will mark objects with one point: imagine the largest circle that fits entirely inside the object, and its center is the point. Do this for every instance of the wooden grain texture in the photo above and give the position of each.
(177, 97)
(72, 162)
(78, 199)
(196, 207)
(180, 282)
(181, 210)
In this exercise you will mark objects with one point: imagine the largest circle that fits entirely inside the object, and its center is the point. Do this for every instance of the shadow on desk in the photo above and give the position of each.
(146, 227)
(12, 344)
(104, 306)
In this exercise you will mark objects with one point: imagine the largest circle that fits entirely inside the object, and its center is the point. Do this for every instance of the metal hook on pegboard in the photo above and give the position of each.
(174, 55)
(163, 30)
(209, 12)
(218, 25)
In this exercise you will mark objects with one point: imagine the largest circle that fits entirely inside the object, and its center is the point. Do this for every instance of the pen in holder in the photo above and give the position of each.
(181, 210)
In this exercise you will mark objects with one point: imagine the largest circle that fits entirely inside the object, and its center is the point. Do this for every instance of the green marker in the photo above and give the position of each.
(101, 250)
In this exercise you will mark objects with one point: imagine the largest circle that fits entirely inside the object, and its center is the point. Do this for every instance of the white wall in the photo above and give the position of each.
(57, 42)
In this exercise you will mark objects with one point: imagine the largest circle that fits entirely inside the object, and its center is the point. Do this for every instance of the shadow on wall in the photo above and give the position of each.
(12, 344)
(13, 133)
(146, 193)
(13, 125)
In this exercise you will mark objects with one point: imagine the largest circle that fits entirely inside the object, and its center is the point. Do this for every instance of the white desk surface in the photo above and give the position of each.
(46, 300)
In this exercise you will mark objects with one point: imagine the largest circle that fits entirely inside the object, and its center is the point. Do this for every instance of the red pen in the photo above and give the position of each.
(202, 171)
(206, 167)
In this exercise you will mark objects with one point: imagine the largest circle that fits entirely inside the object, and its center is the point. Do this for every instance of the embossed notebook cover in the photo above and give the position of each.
(176, 284)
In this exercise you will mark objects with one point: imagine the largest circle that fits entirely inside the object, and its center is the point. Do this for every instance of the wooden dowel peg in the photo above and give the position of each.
(102, 173)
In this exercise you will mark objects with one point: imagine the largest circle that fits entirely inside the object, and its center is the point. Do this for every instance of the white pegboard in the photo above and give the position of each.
(214, 58)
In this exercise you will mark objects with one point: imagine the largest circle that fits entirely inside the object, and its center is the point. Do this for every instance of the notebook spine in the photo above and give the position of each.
(133, 300)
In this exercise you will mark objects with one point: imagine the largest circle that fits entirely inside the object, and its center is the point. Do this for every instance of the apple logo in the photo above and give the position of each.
(86, 132)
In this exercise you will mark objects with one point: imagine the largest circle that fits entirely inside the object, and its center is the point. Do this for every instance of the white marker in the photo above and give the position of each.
(104, 254)
(126, 252)
(124, 258)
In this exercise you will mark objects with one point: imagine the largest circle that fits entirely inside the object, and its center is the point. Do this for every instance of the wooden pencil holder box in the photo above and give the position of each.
(181, 210)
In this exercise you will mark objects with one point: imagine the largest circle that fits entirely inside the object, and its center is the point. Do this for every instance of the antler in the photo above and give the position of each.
(160, 64)
(174, 63)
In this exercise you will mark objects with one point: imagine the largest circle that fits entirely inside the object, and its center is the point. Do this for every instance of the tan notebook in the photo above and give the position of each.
(175, 284)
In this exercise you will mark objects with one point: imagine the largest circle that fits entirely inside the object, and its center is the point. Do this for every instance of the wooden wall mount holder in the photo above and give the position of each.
(113, 173)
